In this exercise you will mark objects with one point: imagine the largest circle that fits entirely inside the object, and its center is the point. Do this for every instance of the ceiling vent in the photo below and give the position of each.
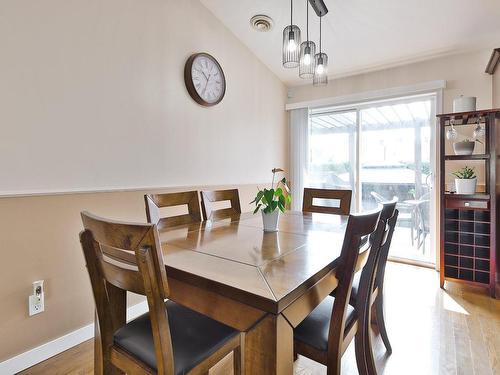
(261, 23)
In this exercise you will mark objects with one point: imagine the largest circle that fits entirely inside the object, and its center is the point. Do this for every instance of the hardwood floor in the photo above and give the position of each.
(456, 331)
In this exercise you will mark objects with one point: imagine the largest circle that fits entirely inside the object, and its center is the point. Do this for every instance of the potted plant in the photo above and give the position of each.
(465, 181)
(465, 147)
(271, 201)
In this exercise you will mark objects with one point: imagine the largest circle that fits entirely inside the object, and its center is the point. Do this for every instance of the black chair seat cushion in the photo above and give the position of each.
(194, 337)
(313, 330)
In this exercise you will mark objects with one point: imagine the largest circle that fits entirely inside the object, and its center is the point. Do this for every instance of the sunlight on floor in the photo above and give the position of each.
(451, 305)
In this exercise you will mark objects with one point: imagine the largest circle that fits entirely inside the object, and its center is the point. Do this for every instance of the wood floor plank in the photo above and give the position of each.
(433, 332)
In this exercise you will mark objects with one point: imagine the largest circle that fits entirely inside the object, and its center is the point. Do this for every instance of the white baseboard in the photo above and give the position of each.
(41, 353)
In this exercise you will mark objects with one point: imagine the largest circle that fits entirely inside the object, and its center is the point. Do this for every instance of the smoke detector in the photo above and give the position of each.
(261, 23)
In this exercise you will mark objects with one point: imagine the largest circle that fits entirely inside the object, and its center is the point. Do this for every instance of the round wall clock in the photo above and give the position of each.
(204, 79)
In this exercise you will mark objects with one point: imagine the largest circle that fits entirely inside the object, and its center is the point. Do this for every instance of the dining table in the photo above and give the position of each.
(260, 283)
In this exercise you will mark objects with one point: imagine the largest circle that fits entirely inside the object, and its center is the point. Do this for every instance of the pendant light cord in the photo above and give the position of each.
(291, 12)
(307, 22)
(320, 34)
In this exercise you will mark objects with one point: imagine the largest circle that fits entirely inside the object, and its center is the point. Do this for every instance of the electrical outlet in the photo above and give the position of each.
(36, 301)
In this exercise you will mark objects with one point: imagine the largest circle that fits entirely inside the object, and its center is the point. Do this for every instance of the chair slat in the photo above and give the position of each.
(156, 201)
(122, 278)
(344, 196)
(119, 235)
(119, 255)
(210, 197)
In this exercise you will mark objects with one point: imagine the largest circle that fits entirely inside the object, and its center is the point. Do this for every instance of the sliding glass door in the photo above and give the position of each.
(333, 167)
(380, 151)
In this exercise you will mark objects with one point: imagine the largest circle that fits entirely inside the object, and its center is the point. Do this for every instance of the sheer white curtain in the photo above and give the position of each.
(299, 134)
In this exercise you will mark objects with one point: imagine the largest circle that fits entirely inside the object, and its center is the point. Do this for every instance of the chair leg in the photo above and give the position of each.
(371, 369)
(359, 346)
(238, 361)
(334, 365)
(379, 308)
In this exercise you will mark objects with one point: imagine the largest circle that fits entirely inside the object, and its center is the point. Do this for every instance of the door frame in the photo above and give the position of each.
(436, 108)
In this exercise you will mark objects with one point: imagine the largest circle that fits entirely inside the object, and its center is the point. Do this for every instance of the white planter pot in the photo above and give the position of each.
(270, 221)
(465, 186)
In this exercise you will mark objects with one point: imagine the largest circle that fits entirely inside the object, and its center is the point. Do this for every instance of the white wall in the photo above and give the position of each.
(93, 97)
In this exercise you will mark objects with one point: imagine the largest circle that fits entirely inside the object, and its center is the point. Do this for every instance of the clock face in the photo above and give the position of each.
(205, 79)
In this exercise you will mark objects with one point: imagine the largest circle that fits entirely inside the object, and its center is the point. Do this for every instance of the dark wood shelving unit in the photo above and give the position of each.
(468, 223)
(467, 157)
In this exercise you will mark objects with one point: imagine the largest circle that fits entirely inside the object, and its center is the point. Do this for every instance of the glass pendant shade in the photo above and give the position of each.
(321, 69)
(307, 60)
(291, 46)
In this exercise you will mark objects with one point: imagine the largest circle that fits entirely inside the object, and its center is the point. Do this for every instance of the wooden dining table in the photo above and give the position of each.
(260, 283)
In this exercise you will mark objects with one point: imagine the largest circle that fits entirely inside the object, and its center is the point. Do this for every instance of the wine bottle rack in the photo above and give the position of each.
(468, 223)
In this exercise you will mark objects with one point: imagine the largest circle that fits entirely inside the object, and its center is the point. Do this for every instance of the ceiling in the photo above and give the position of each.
(364, 35)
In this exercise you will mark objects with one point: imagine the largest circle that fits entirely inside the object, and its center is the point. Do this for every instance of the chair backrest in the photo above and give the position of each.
(379, 239)
(156, 201)
(208, 198)
(123, 257)
(353, 257)
(385, 246)
(343, 196)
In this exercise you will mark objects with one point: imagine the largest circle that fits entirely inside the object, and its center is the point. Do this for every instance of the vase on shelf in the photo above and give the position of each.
(464, 147)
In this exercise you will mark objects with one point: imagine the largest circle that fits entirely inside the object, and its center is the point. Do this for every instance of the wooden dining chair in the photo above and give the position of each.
(170, 339)
(326, 332)
(208, 198)
(389, 215)
(343, 196)
(388, 219)
(154, 202)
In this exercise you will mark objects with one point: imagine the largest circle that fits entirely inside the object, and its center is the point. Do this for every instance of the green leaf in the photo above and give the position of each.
(282, 200)
(257, 208)
(269, 194)
(258, 197)
(273, 205)
(278, 192)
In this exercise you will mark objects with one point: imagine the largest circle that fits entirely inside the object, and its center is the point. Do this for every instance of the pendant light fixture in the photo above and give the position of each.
(291, 43)
(307, 52)
(321, 64)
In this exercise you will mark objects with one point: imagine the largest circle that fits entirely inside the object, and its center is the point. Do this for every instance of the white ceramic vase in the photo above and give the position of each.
(464, 147)
(270, 221)
(465, 186)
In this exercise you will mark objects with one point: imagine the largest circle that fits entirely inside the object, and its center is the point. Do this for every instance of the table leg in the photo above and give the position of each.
(269, 347)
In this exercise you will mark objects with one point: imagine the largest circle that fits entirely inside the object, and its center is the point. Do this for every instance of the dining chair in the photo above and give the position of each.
(189, 199)
(208, 198)
(170, 339)
(327, 331)
(342, 196)
(388, 219)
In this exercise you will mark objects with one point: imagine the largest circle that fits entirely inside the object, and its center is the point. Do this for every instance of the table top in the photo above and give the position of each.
(236, 258)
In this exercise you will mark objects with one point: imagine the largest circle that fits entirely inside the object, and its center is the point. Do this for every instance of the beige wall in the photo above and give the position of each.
(39, 237)
(93, 96)
(496, 88)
